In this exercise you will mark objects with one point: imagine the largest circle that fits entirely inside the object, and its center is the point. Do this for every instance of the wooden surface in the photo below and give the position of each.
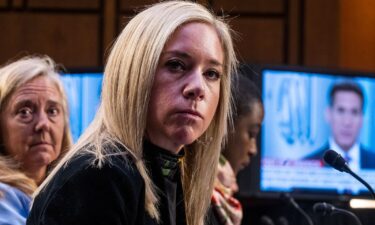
(78, 33)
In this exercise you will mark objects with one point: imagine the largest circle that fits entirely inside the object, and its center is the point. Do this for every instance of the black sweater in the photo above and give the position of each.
(84, 194)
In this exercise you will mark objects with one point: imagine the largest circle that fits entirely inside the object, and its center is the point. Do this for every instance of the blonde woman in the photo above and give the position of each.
(150, 155)
(34, 131)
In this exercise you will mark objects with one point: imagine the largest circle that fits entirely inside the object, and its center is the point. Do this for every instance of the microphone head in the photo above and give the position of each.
(283, 221)
(323, 208)
(335, 160)
(266, 220)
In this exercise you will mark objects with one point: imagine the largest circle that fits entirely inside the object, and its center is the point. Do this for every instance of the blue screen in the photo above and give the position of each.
(83, 91)
(296, 126)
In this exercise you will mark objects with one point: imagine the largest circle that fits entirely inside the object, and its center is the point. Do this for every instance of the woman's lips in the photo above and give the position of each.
(191, 113)
(40, 144)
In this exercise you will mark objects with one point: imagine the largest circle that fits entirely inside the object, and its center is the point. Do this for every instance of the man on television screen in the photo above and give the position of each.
(345, 117)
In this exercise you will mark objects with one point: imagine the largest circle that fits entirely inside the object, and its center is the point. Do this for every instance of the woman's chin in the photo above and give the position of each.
(40, 161)
(186, 136)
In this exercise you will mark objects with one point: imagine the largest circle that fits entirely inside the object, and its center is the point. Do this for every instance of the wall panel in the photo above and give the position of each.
(17, 3)
(109, 26)
(304, 32)
(275, 6)
(260, 41)
(357, 34)
(122, 21)
(3, 3)
(294, 41)
(70, 39)
(131, 5)
(65, 4)
(321, 33)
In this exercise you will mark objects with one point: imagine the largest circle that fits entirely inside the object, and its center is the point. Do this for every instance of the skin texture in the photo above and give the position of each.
(345, 117)
(227, 178)
(32, 126)
(242, 143)
(186, 89)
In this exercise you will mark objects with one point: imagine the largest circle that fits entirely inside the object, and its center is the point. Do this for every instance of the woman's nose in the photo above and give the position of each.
(42, 123)
(195, 86)
(253, 150)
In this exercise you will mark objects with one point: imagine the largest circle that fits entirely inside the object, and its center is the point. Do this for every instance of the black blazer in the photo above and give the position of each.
(367, 157)
(113, 194)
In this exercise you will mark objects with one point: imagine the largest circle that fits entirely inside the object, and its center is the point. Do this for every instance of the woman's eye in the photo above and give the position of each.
(175, 65)
(25, 113)
(253, 134)
(212, 75)
(53, 111)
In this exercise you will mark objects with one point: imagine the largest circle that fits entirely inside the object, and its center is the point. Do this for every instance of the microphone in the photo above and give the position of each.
(325, 209)
(266, 220)
(282, 221)
(336, 161)
(286, 197)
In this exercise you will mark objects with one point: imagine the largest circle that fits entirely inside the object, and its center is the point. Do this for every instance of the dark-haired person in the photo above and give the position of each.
(241, 146)
(345, 117)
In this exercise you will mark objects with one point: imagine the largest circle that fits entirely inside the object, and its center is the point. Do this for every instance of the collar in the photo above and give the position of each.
(353, 153)
(168, 162)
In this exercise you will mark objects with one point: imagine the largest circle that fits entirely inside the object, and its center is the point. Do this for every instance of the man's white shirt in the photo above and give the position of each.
(353, 153)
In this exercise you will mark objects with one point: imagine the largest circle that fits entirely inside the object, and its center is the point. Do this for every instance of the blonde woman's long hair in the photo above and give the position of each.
(12, 76)
(10, 175)
(122, 115)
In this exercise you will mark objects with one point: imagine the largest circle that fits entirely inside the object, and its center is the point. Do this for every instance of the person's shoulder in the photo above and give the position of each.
(212, 217)
(5, 188)
(14, 205)
(115, 171)
(86, 168)
(367, 151)
(112, 165)
(14, 194)
(86, 186)
(367, 158)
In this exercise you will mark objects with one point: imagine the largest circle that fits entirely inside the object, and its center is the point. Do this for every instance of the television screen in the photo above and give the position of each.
(308, 112)
(83, 90)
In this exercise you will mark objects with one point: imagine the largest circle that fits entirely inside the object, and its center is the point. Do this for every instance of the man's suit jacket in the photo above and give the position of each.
(367, 156)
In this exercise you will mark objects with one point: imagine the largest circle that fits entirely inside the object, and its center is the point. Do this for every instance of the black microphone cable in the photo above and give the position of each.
(336, 161)
(290, 200)
(325, 209)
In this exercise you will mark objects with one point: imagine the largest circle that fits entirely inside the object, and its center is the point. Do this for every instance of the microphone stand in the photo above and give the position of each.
(325, 209)
(348, 170)
(291, 200)
(336, 161)
(347, 212)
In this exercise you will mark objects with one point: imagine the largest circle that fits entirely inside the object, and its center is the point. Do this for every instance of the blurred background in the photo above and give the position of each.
(78, 33)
